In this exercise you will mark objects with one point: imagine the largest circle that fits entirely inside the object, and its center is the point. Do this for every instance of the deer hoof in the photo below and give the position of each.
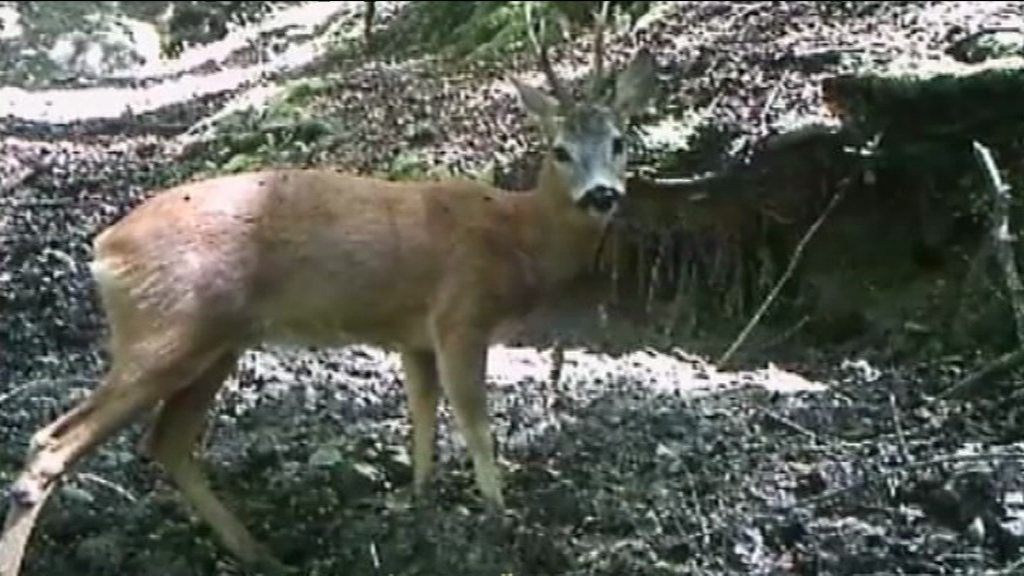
(26, 492)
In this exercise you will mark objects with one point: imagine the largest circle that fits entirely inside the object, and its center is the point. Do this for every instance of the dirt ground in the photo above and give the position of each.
(648, 463)
(624, 469)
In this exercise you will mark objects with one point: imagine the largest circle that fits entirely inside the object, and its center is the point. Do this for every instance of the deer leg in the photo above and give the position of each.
(422, 391)
(171, 441)
(462, 366)
(70, 437)
(129, 388)
(134, 383)
(44, 436)
(16, 532)
(107, 409)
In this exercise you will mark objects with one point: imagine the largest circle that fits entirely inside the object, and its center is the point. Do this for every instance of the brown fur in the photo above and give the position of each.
(200, 272)
(434, 270)
(225, 246)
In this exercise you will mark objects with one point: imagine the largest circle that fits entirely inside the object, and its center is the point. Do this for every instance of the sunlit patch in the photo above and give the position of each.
(657, 371)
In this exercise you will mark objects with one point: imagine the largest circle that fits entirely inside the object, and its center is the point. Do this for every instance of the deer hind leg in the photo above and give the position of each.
(171, 441)
(149, 369)
(128, 342)
(462, 366)
(128, 389)
(422, 390)
(145, 373)
(44, 436)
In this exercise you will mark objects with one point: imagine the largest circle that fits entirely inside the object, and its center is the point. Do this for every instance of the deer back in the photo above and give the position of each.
(321, 257)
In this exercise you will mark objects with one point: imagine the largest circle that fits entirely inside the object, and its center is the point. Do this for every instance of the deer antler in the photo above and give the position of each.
(545, 60)
(597, 72)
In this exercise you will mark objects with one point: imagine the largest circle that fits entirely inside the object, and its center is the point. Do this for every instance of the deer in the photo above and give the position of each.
(433, 270)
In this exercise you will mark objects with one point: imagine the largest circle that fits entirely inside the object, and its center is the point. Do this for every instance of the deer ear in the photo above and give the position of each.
(537, 103)
(542, 107)
(635, 84)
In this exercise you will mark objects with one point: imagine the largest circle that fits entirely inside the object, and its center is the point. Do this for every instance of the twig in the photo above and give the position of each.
(557, 362)
(901, 438)
(787, 333)
(698, 180)
(374, 556)
(37, 383)
(769, 102)
(6, 188)
(369, 12)
(1001, 235)
(120, 490)
(20, 178)
(797, 253)
(51, 202)
(1003, 242)
(1015, 568)
(727, 518)
(868, 150)
(698, 509)
(655, 277)
(965, 283)
(829, 495)
(999, 366)
(787, 423)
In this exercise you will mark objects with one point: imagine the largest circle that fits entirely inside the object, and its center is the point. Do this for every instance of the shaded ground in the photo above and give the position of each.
(620, 471)
(612, 475)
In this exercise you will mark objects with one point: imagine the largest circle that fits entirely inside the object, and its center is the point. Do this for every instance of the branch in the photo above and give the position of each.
(900, 470)
(791, 267)
(1001, 233)
(824, 497)
(116, 488)
(557, 363)
(16, 390)
(683, 182)
(797, 253)
(20, 178)
(997, 368)
(369, 12)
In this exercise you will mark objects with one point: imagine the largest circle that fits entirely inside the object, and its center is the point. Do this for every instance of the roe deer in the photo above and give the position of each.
(202, 271)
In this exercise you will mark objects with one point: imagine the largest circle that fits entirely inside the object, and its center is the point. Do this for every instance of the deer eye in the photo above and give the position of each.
(562, 155)
(618, 146)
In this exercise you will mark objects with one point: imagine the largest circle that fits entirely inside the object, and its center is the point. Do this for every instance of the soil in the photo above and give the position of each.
(649, 462)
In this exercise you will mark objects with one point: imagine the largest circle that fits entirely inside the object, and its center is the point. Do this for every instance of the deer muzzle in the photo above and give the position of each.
(601, 199)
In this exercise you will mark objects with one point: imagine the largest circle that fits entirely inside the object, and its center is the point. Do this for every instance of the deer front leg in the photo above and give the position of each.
(462, 366)
(422, 391)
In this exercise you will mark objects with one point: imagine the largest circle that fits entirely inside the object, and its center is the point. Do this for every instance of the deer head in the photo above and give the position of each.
(585, 138)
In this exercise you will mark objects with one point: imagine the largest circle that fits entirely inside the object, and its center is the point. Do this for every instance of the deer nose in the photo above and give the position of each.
(601, 198)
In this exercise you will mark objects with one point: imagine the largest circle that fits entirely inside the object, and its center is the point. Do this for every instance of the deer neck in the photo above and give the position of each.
(567, 237)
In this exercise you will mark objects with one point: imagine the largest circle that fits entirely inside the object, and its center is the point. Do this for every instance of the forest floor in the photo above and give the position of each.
(650, 462)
